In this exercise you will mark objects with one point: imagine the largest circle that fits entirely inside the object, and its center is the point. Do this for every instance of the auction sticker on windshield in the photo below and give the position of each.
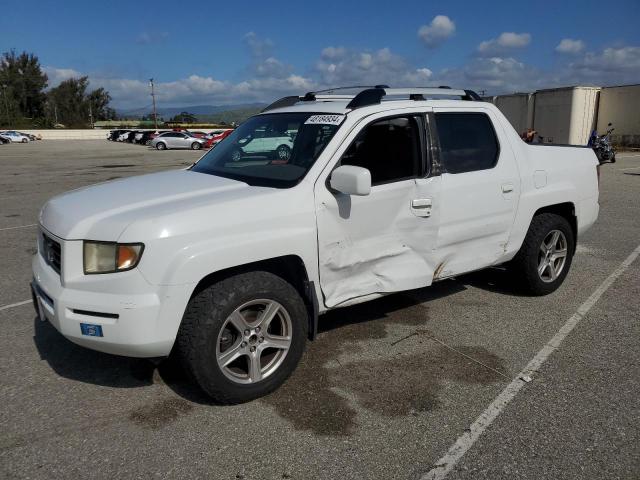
(324, 120)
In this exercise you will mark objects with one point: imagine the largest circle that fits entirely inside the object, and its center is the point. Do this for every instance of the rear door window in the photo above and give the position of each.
(468, 142)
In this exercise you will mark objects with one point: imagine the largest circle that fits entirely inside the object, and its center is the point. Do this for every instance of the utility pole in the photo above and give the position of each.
(90, 115)
(55, 112)
(153, 96)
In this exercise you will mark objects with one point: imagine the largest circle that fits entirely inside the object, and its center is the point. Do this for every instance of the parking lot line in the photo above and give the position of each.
(12, 305)
(465, 441)
(21, 226)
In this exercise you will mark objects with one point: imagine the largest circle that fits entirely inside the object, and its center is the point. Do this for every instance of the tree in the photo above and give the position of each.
(73, 107)
(22, 82)
(67, 100)
(184, 117)
(98, 100)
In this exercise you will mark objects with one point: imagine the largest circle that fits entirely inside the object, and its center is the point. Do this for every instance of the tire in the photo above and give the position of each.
(549, 234)
(161, 146)
(196, 146)
(24, 140)
(207, 333)
(283, 153)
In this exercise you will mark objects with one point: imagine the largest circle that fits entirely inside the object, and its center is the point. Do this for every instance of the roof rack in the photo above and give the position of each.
(374, 95)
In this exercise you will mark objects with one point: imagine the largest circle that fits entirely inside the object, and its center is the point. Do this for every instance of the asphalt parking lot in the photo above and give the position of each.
(383, 393)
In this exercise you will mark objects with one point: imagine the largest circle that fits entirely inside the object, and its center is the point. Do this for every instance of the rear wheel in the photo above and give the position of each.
(161, 146)
(24, 140)
(242, 337)
(545, 257)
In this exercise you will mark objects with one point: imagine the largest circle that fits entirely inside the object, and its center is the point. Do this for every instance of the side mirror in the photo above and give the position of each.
(351, 180)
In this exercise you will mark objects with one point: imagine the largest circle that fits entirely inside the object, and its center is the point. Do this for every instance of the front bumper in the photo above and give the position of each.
(142, 323)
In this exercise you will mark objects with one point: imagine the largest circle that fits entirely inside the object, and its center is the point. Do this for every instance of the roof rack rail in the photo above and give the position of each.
(374, 95)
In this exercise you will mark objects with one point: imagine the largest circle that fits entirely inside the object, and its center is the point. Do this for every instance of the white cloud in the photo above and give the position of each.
(436, 32)
(505, 42)
(267, 77)
(58, 75)
(567, 45)
(610, 66)
(146, 38)
(339, 66)
(492, 74)
(259, 47)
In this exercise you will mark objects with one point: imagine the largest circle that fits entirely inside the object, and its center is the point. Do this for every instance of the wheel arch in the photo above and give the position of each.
(567, 210)
(290, 268)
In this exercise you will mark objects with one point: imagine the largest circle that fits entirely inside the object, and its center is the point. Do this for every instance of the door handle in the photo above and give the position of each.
(421, 207)
(507, 187)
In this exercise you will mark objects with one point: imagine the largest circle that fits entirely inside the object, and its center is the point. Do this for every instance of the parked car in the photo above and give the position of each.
(271, 142)
(4, 140)
(123, 135)
(138, 136)
(16, 137)
(198, 134)
(30, 136)
(150, 135)
(131, 137)
(114, 134)
(170, 140)
(217, 137)
(229, 263)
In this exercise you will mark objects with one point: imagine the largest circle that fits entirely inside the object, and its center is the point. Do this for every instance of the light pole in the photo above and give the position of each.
(153, 96)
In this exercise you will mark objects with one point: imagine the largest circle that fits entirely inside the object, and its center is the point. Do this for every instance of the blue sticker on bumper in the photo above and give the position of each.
(91, 330)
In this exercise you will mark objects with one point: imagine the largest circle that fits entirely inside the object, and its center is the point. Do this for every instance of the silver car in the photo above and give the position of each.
(177, 140)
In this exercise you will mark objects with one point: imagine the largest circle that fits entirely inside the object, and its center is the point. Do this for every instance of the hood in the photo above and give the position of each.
(103, 211)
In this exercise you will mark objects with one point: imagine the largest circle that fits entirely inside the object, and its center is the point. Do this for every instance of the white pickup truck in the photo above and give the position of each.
(228, 264)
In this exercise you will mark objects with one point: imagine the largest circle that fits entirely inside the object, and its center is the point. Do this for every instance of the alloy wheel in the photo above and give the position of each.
(552, 256)
(254, 341)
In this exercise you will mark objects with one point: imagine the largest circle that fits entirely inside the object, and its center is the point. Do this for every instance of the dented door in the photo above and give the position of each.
(379, 243)
(376, 243)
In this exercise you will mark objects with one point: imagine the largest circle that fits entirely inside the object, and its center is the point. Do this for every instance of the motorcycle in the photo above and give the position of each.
(601, 145)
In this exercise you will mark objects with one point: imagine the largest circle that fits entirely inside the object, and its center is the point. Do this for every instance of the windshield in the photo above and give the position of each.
(272, 150)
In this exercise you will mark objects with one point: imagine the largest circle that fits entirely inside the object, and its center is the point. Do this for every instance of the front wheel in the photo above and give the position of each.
(161, 146)
(242, 337)
(545, 257)
(196, 146)
(24, 140)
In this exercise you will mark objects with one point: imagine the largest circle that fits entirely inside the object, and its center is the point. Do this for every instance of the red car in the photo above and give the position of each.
(197, 134)
(217, 137)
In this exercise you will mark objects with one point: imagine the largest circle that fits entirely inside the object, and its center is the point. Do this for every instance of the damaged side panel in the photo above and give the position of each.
(375, 244)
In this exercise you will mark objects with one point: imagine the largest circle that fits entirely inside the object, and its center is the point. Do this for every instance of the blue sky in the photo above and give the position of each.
(240, 52)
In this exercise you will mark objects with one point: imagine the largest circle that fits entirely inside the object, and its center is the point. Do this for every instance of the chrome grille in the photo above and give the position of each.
(51, 252)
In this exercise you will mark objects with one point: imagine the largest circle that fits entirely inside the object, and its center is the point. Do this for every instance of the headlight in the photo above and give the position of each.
(109, 257)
